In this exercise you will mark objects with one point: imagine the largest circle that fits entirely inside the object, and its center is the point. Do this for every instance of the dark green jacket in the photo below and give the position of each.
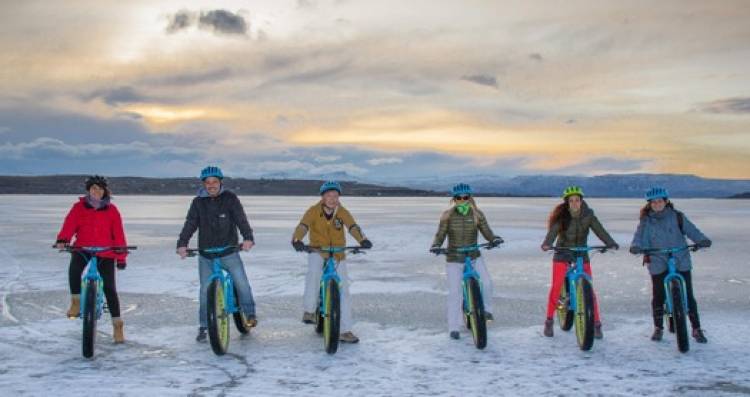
(462, 231)
(577, 234)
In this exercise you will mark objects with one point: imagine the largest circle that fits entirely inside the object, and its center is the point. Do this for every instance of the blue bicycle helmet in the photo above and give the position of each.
(211, 171)
(330, 185)
(657, 192)
(462, 189)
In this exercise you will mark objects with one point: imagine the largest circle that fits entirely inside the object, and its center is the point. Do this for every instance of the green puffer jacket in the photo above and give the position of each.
(462, 231)
(577, 234)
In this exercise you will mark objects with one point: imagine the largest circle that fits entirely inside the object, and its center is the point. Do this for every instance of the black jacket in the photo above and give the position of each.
(217, 220)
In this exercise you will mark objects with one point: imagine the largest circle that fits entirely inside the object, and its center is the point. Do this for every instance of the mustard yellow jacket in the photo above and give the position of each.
(326, 232)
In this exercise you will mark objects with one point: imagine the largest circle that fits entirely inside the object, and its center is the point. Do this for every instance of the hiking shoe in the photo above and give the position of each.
(308, 318)
(74, 310)
(251, 321)
(658, 334)
(118, 330)
(598, 330)
(698, 335)
(488, 316)
(201, 335)
(548, 328)
(455, 335)
(348, 337)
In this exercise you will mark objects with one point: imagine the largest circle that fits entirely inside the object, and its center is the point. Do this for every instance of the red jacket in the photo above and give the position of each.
(94, 228)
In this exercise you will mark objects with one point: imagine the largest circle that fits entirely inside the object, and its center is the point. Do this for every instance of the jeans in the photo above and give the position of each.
(233, 264)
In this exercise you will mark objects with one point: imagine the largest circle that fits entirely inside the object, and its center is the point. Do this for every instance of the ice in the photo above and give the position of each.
(398, 294)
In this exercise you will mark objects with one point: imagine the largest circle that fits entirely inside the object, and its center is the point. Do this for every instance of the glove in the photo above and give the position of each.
(299, 246)
(614, 246)
(366, 244)
(121, 265)
(704, 243)
(435, 249)
(496, 241)
(635, 250)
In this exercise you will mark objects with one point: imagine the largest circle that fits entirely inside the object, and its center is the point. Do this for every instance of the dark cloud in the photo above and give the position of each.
(536, 57)
(481, 79)
(306, 4)
(218, 21)
(116, 96)
(727, 106)
(188, 79)
(180, 21)
(223, 21)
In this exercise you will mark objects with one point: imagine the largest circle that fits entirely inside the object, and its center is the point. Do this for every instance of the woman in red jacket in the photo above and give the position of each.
(95, 222)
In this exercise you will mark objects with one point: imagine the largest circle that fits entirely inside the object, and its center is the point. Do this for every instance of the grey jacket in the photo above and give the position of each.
(662, 230)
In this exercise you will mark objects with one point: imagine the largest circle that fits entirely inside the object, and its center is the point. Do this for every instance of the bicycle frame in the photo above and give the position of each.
(575, 271)
(671, 275)
(92, 274)
(217, 272)
(329, 271)
(469, 270)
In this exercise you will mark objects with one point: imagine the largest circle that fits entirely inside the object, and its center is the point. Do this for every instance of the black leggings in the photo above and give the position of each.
(657, 303)
(106, 268)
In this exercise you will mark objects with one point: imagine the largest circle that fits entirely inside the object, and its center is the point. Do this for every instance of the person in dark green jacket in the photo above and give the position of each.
(569, 224)
(461, 224)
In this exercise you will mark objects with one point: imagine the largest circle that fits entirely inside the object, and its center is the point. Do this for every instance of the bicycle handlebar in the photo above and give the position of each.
(468, 248)
(191, 252)
(96, 250)
(600, 248)
(334, 250)
(692, 247)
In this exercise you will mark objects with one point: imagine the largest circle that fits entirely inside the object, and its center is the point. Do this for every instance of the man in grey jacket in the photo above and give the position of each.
(661, 226)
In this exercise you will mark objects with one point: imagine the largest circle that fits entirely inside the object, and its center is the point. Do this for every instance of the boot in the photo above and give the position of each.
(75, 306)
(698, 335)
(488, 316)
(455, 335)
(251, 321)
(348, 337)
(658, 333)
(118, 330)
(201, 335)
(548, 328)
(308, 318)
(598, 330)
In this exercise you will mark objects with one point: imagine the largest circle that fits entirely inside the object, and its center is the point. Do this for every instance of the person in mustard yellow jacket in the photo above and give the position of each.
(325, 221)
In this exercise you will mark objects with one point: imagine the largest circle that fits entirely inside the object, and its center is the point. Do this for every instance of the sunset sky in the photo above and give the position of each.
(376, 89)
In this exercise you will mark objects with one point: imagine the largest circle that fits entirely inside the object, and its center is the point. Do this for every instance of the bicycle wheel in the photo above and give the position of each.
(89, 318)
(332, 318)
(679, 317)
(239, 315)
(584, 315)
(564, 314)
(477, 317)
(218, 319)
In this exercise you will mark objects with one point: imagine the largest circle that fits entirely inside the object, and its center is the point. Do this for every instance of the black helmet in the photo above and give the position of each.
(96, 180)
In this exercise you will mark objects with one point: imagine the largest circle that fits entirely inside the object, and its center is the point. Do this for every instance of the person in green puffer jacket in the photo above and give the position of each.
(569, 224)
(461, 224)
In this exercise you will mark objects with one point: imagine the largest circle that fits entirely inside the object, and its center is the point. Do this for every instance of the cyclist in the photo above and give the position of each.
(325, 221)
(217, 213)
(94, 221)
(569, 224)
(662, 226)
(461, 224)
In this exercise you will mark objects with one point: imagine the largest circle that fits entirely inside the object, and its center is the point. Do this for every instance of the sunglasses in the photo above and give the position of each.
(462, 198)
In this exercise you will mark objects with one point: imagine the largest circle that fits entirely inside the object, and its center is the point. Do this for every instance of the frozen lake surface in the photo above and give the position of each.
(399, 305)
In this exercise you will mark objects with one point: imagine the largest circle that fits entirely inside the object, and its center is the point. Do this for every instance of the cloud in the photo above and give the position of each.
(481, 79)
(218, 21)
(739, 105)
(223, 21)
(384, 160)
(536, 57)
(117, 96)
(327, 159)
(191, 78)
(45, 146)
(604, 165)
(180, 21)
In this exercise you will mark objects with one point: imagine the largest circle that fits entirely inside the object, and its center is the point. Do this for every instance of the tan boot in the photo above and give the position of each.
(118, 327)
(75, 306)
